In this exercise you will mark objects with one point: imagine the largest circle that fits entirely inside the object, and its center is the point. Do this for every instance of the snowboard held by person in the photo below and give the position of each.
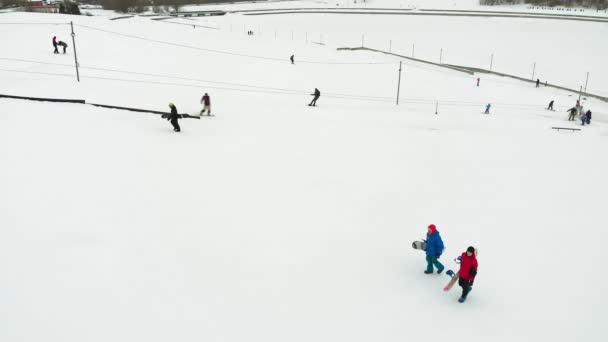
(434, 249)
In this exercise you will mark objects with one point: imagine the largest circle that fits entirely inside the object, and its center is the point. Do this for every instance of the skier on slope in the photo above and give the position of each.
(434, 249)
(316, 95)
(588, 117)
(206, 101)
(550, 107)
(537, 82)
(467, 272)
(487, 109)
(572, 111)
(291, 59)
(584, 118)
(174, 117)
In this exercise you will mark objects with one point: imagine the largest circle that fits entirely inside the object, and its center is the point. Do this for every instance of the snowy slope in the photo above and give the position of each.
(274, 221)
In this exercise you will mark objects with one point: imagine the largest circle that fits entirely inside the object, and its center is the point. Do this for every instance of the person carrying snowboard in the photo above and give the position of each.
(467, 272)
(55, 44)
(206, 101)
(572, 111)
(173, 117)
(434, 249)
(64, 45)
(550, 107)
(316, 95)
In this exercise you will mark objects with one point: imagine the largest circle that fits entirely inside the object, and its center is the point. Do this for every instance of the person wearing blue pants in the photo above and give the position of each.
(434, 249)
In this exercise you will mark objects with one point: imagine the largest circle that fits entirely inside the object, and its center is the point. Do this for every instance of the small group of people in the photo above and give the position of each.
(578, 110)
(59, 43)
(250, 33)
(468, 261)
(174, 116)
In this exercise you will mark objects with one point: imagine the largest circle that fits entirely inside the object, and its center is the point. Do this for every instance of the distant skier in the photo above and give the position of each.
(588, 117)
(550, 107)
(174, 117)
(206, 101)
(467, 272)
(291, 59)
(316, 95)
(55, 44)
(64, 45)
(487, 109)
(434, 249)
(572, 111)
(537, 82)
(478, 81)
(584, 118)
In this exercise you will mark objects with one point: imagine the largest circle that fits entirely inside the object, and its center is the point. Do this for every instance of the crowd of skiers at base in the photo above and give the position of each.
(59, 43)
(468, 261)
(578, 110)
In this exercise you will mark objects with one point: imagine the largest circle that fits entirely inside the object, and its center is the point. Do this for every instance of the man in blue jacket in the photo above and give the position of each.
(434, 249)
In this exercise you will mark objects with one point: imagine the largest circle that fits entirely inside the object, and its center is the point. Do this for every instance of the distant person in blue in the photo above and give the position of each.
(584, 118)
(487, 109)
(434, 249)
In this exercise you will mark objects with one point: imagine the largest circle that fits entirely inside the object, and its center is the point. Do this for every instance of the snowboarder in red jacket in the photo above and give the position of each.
(468, 271)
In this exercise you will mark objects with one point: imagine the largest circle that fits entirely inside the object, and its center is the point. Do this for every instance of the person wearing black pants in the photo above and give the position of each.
(316, 95)
(550, 105)
(174, 117)
(62, 44)
(55, 44)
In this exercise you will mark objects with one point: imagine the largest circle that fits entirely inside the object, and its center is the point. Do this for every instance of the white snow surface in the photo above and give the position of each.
(275, 221)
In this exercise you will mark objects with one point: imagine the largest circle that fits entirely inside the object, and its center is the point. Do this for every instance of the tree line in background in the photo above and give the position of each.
(598, 4)
(66, 6)
(157, 5)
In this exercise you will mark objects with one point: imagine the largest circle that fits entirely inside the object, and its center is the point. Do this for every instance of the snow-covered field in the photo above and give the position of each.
(275, 221)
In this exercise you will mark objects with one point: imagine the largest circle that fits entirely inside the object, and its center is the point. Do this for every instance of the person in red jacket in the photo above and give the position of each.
(468, 271)
(55, 44)
(206, 101)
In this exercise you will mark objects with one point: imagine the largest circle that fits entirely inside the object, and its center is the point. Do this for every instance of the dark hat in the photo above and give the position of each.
(471, 249)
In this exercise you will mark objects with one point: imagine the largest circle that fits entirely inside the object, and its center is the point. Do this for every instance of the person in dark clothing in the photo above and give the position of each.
(291, 58)
(206, 101)
(55, 44)
(588, 117)
(550, 105)
(537, 82)
(572, 111)
(467, 272)
(174, 117)
(64, 45)
(316, 95)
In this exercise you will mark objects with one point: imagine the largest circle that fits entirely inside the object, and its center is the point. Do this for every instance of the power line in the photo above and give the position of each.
(193, 79)
(225, 52)
(288, 92)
